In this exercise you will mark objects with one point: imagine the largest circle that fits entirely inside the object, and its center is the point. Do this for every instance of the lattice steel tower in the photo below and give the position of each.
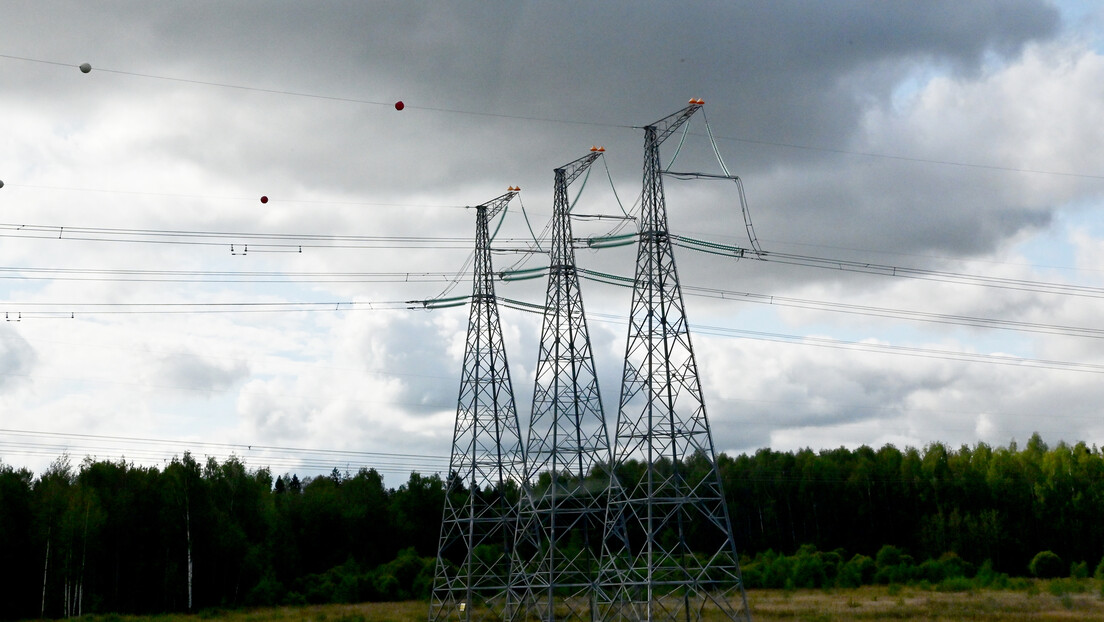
(486, 470)
(680, 562)
(561, 516)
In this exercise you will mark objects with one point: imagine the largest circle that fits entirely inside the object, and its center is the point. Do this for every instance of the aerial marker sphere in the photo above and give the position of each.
(85, 67)
(264, 199)
(1, 183)
(399, 105)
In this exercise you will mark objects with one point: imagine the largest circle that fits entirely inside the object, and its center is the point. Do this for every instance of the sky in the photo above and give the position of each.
(156, 305)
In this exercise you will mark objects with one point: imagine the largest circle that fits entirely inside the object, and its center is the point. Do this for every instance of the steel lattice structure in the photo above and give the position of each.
(680, 561)
(486, 469)
(568, 453)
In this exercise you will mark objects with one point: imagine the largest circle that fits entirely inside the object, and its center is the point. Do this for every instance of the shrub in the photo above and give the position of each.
(267, 592)
(340, 584)
(833, 560)
(859, 570)
(1047, 565)
(955, 584)
(751, 574)
(808, 568)
(294, 599)
(385, 586)
(887, 556)
(767, 570)
(987, 577)
(949, 565)
(1079, 570)
(1099, 572)
(894, 566)
(405, 577)
(777, 571)
(808, 572)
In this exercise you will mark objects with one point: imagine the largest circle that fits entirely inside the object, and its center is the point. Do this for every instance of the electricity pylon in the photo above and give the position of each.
(487, 467)
(561, 516)
(680, 559)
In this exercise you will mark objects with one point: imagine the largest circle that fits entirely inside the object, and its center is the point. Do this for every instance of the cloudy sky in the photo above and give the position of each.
(957, 145)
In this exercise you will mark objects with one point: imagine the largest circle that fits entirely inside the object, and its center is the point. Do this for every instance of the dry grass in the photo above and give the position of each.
(916, 605)
(1040, 603)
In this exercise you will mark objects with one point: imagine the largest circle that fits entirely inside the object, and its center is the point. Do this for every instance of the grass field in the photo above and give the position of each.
(1042, 601)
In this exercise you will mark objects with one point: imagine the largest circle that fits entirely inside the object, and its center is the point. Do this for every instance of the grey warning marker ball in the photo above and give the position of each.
(85, 67)
(1, 183)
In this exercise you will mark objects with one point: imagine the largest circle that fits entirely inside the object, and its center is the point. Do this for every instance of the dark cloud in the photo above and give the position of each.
(787, 72)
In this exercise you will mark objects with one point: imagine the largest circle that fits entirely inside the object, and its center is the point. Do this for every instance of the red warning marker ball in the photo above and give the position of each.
(399, 105)
(264, 199)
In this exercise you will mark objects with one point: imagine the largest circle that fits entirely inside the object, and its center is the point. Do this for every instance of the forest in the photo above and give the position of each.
(112, 536)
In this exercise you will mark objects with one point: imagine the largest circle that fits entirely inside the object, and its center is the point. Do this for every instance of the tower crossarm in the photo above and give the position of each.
(667, 125)
(573, 169)
(497, 204)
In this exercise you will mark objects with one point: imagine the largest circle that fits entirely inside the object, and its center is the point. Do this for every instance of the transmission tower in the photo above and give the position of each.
(680, 561)
(561, 516)
(486, 469)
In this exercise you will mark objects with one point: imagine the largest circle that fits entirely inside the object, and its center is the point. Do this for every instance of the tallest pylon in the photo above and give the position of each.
(680, 561)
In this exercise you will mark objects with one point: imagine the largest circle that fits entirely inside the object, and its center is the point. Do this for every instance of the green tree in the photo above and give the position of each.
(416, 513)
(1047, 565)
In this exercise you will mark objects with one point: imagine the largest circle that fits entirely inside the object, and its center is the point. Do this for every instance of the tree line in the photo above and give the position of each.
(116, 537)
(1002, 504)
(111, 536)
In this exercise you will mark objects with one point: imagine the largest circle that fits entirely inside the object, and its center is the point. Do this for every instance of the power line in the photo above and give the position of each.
(225, 238)
(218, 276)
(289, 241)
(1070, 331)
(919, 316)
(243, 243)
(931, 353)
(1022, 264)
(950, 355)
(352, 100)
(867, 310)
(863, 267)
(144, 448)
(594, 276)
(902, 158)
(224, 445)
(179, 195)
(137, 453)
(545, 119)
(114, 308)
(71, 311)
